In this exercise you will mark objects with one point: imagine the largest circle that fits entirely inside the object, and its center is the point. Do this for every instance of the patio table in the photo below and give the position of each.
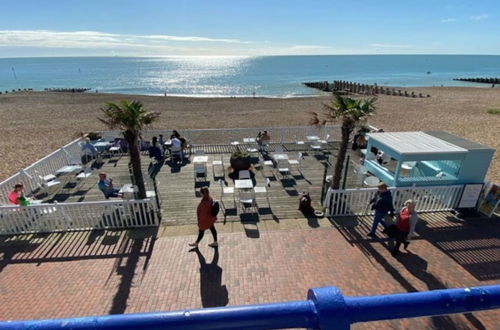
(249, 140)
(69, 169)
(312, 138)
(200, 159)
(243, 184)
(102, 145)
(280, 157)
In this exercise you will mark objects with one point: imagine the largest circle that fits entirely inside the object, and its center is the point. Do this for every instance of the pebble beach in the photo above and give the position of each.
(33, 124)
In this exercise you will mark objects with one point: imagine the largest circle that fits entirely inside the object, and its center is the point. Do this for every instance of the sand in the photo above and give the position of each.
(37, 123)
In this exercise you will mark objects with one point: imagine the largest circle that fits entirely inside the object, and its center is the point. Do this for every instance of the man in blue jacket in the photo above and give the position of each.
(382, 204)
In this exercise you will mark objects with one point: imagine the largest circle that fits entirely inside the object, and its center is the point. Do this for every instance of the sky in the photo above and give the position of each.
(247, 28)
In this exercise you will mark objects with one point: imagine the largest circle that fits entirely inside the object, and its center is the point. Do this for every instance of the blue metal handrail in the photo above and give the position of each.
(325, 308)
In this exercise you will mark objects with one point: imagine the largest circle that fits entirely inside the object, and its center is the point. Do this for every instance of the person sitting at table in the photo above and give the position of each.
(175, 134)
(176, 148)
(155, 150)
(17, 195)
(263, 139)
(106, 186)
(89, 151)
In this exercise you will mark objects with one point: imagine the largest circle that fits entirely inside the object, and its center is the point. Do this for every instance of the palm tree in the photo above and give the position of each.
(130, 117)
(349, 112)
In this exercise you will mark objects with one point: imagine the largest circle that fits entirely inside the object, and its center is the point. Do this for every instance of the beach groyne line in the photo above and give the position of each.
(492, 81)
(62, 90)
(349, 87)
(18, 90)
(67, 90)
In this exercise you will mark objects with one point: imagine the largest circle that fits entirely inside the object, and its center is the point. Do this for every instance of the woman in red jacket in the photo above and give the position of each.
(407, 219)
(205, 218)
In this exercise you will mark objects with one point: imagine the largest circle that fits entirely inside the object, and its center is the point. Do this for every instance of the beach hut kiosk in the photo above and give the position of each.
(428, 159)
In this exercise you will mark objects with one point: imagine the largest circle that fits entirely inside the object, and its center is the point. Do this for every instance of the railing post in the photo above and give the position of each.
(331, 308)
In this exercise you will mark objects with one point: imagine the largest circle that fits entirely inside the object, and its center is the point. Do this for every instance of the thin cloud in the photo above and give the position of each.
(390, 46)
(448, 20)
(195, 39)
(95, 39)
(479, 17)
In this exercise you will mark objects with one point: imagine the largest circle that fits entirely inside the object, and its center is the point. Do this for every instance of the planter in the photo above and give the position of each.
(240, 162)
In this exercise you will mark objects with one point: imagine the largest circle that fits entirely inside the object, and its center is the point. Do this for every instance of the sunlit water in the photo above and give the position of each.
(270, 76)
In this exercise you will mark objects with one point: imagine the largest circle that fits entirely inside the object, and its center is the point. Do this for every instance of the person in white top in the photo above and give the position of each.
(176, 148)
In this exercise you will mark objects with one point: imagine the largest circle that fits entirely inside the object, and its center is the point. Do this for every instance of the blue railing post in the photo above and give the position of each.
(331, 309)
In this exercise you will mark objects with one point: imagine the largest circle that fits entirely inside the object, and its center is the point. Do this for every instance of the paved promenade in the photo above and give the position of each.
(83, 273)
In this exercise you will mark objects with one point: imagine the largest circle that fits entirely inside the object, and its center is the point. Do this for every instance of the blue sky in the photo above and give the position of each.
(236, 27)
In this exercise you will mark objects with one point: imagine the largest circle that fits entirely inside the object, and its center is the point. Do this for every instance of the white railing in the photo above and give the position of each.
(356, 201)
(117, 214)
(226, 135)
(30, 176)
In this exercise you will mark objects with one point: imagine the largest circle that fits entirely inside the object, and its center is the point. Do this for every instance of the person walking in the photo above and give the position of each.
(405, 223)
(205, 218)
(382, 204)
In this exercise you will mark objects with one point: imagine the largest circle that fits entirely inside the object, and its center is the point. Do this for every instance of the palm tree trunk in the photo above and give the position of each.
(135, 160)
(339, 163)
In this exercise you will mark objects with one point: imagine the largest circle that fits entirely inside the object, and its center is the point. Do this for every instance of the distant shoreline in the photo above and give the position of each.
(257, 96)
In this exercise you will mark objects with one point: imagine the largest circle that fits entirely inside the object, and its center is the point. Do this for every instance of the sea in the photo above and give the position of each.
(233, 76)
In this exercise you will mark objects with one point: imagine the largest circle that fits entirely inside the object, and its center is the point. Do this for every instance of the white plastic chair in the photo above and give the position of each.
(283, 169)
(85, 174)
(316, 146)
(296, 162)
(48, 182)
(200, 170)
(263, 190)
(244, 174)
(226, 191)
(325, 141)
(218, 163)
(247, 198)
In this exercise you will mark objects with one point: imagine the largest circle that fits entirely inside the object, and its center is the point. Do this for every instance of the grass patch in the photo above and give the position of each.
(494, 111)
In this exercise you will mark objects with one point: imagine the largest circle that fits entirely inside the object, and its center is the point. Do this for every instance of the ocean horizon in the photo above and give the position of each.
(240, 76)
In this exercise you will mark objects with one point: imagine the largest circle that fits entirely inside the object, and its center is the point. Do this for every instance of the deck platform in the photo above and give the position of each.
(178, 189)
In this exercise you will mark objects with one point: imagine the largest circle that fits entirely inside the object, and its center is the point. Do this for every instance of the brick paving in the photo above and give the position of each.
(95, 273)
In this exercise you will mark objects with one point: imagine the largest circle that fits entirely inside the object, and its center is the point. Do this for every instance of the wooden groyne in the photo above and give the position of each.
(67, 90)
(492, 81)
(63, 90)
(18, 90)
(348, 87)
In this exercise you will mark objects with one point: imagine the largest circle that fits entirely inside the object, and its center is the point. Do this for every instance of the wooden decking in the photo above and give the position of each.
(178, 189)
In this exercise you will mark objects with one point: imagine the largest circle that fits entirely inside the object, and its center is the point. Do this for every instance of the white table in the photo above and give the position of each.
(102, 145)
(68, 169)
(249, 140)
(235, 143)
(243, 184)
(280, 157)
(312, 138)
(200, 159)
(363, 151)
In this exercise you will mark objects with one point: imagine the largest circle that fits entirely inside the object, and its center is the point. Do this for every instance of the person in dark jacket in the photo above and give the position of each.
(155, 150)
(382, 204)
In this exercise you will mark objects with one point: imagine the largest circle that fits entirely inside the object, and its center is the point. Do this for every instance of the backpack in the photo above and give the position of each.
(215, 208)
